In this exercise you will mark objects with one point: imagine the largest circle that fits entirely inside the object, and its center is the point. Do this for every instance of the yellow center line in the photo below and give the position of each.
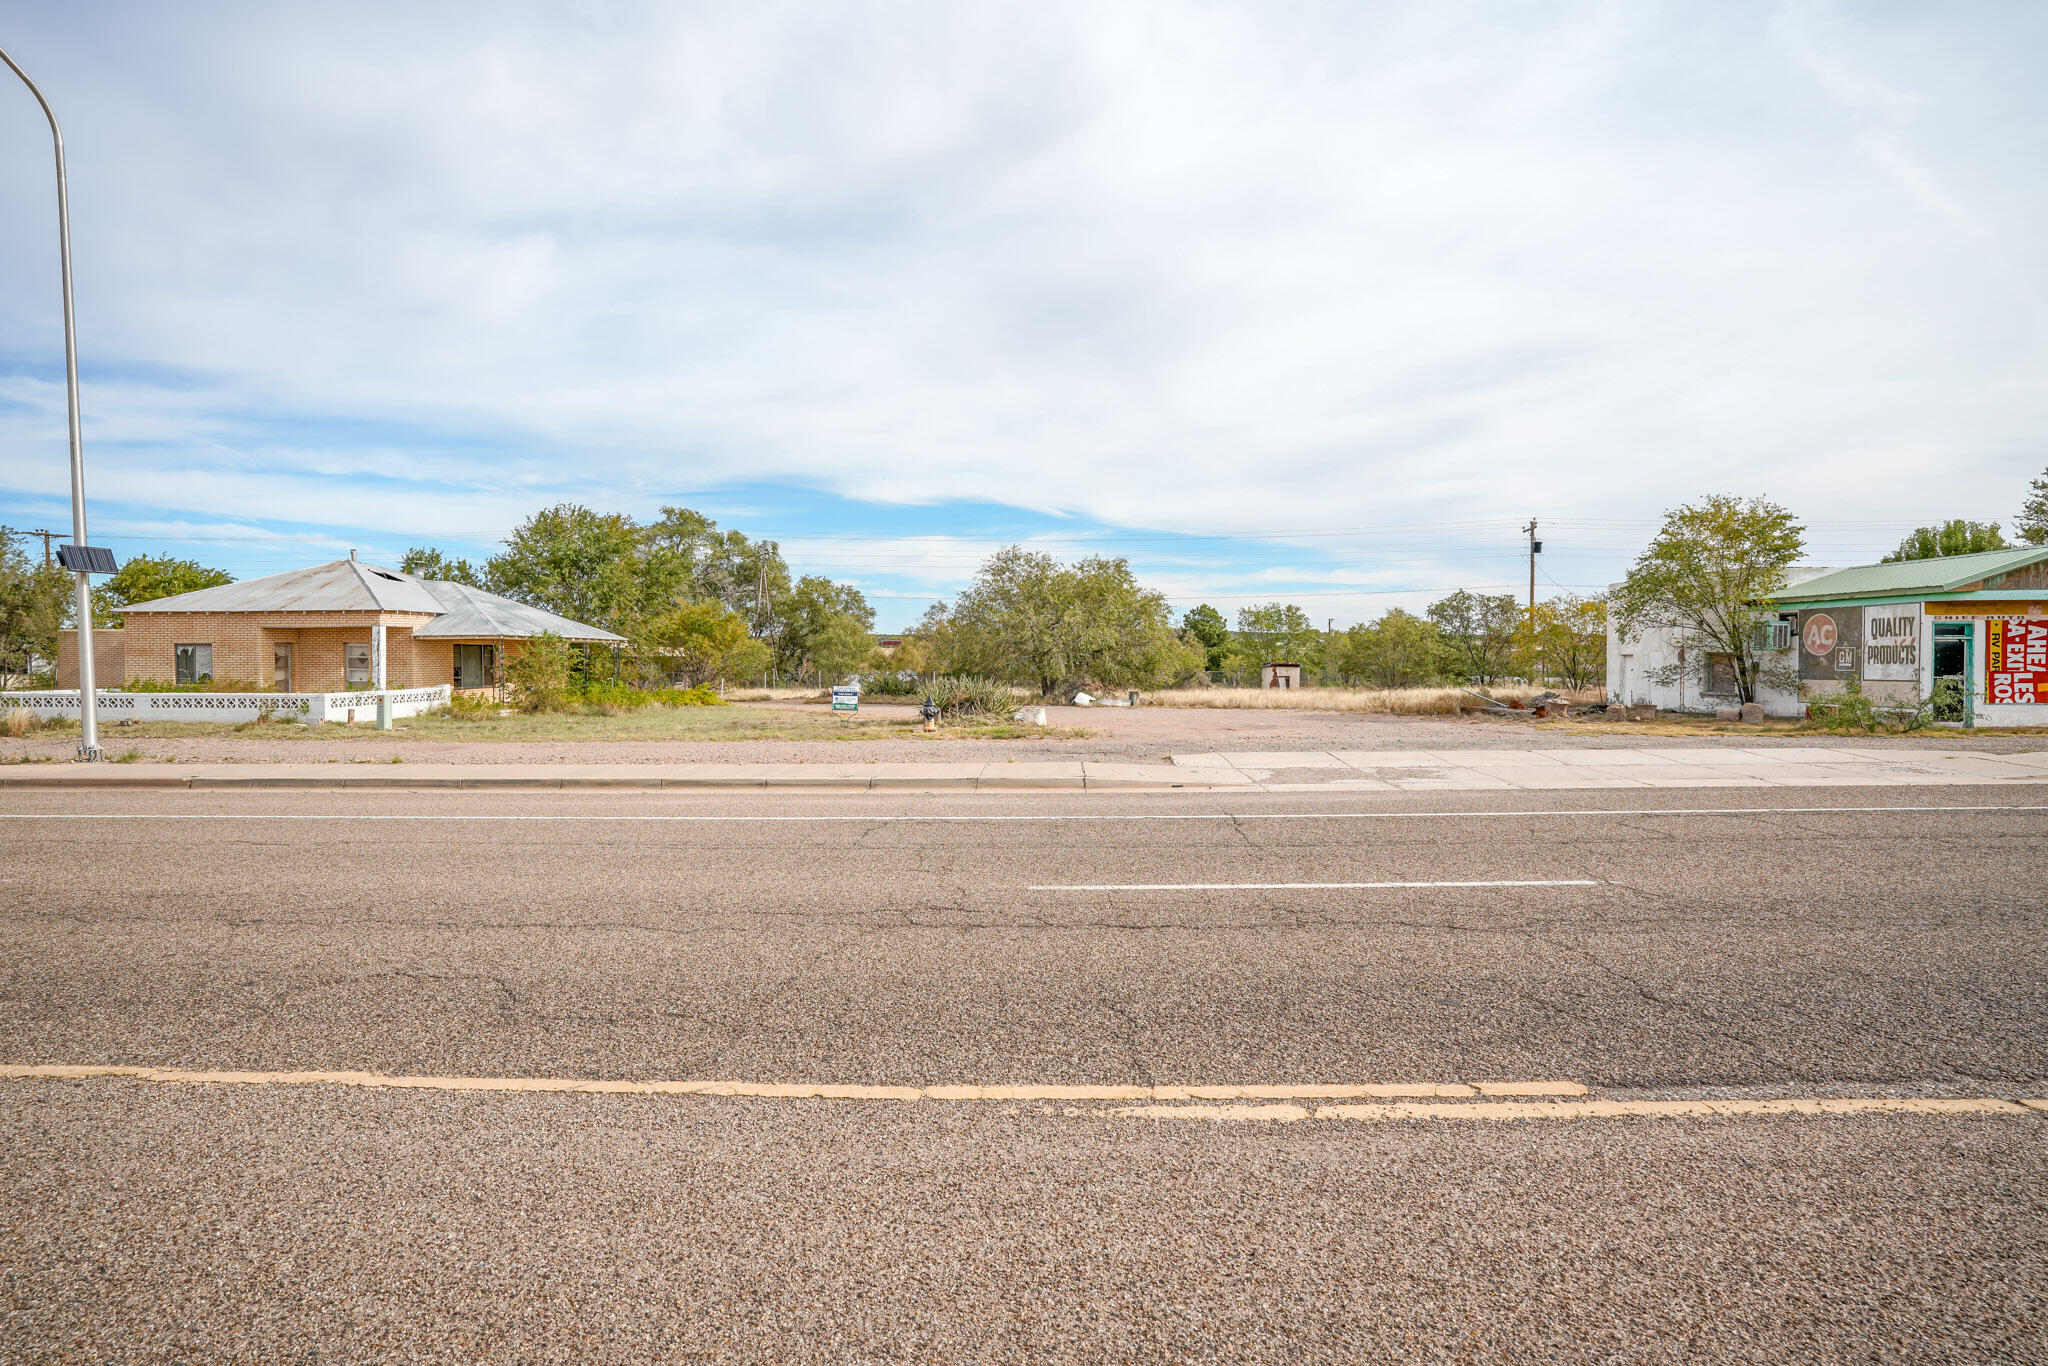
(1505, 1111)
(808, 1090)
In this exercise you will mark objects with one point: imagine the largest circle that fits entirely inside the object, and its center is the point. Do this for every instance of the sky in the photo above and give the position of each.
(1315, 303)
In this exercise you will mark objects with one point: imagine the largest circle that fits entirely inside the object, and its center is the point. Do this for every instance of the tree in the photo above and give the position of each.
(1276, 632)
(1029, 619)
(1569, 636)
(1711, 572)
(1478, 631)
(427, 563)
(577, 563)
(2031, 525)
(698, 642)
(841, 647)
(33, 603)
(1206, 627)
(1400, 650)
(147, 578)
(1956, 537)
(804, 614)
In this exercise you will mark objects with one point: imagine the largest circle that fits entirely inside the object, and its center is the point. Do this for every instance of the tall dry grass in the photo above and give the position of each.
(1384, 701)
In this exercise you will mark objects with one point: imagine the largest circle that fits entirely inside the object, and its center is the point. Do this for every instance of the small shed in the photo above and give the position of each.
(1280, 675)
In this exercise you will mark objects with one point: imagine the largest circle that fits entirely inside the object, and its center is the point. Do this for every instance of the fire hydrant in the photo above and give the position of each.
(930, 712)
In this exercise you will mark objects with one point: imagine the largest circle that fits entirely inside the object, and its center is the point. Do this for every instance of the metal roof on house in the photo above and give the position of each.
(469, 613)
(459, 611)
(1940, 574)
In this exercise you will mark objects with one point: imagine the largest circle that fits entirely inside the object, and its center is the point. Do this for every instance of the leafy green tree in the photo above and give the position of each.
(34, 602)
(804, 614)
(580, 564)
(1478, 631)
(1956, 537)
(1711, 572)
(840, 648)
(1029, 619)
(147, 578)
(1279, 632)
(698, 642)
(1400, 650)
(427, 563)
(2031, 525)
(1568, 638)
(1206, 627)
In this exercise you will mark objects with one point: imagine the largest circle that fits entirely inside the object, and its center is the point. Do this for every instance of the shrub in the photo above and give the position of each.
(1852, 710)
(22, 722)
(538, 673)
(472, 706)
(616, 699)
(892, 685)
(963, 697)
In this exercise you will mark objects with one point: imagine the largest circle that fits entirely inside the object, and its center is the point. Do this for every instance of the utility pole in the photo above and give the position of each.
(48, 536)
(1535, 549)
(88, 697)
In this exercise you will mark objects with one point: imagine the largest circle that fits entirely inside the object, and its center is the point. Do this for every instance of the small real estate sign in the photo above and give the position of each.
(1891, 644)
(1830, 644)
(846, 697)
(2016, 659)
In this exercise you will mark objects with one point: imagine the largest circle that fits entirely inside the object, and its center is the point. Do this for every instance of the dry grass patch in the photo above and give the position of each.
(1380, 701)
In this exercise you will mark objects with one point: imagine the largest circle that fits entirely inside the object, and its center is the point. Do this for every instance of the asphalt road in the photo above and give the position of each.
(1725, 944)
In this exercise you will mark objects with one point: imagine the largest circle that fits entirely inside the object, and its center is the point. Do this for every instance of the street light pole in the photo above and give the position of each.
(88, 697)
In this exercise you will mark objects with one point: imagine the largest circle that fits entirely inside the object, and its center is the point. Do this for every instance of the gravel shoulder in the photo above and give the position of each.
(1135, 735)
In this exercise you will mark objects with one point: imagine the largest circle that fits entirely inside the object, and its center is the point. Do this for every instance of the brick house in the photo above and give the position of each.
(344, 624)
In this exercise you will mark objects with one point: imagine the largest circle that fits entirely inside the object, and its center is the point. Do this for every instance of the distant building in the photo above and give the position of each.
(1280, 675)
(347, 623)
(1899, 629)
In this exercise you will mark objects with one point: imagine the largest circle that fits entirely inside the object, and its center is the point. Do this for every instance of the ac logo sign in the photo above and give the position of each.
(1820, 635)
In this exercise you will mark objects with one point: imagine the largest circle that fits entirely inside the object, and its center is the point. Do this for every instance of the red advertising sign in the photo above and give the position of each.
(1819, 635)
(2016, 661)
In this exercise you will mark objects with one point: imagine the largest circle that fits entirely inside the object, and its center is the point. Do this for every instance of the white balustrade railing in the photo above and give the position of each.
(311, 707)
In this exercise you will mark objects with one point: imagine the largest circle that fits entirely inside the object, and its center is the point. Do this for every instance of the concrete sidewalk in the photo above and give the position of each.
(1475, 770)
(1466, 770)
(1075, 775)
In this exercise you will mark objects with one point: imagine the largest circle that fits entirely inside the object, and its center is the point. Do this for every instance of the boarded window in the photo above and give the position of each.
(1723, 678)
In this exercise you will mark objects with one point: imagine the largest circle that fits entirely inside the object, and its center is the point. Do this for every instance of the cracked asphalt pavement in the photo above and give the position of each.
(1833, 943)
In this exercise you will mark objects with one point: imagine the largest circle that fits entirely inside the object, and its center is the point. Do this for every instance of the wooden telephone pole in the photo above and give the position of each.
(48, 536)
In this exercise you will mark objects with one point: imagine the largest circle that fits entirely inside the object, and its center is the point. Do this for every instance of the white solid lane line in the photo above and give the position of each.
(1286, 886)
(657, 818)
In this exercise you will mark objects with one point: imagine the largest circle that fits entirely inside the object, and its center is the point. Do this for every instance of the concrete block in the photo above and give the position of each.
(1642, 711)
(1753, 713)
(1727, 713)
(1617, 711)
(1030, 716)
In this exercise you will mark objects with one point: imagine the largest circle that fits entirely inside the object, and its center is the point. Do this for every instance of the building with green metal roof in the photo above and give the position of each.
(1969, 630)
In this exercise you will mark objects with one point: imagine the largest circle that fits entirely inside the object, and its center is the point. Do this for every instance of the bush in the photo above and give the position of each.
(21, 721)
(208, 685)
(537, 672)
(471, 706)
(892, 685)
(616, 698)
(965, 697)
(1852, 710)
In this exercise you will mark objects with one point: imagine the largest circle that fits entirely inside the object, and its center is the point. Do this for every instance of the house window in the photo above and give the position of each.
(355, 663)
(195, 663)
(476, 666)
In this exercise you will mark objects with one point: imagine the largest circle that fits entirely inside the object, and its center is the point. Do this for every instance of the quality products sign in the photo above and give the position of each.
(1891, 644)
(2016, 660)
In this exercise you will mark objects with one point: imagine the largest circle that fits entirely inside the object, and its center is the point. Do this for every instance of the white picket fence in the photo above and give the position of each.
(311, 707)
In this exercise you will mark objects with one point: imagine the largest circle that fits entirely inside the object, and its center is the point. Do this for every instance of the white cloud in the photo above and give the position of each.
(1217, 267)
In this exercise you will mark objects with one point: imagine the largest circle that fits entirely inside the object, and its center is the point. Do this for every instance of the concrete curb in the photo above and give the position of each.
(75, 778)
